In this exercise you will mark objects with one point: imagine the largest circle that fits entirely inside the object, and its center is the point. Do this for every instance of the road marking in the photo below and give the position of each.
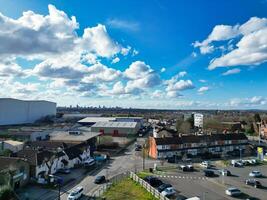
(183, 177)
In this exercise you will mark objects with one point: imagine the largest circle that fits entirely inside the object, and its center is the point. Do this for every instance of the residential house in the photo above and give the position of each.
(197, 145)
(14, 172)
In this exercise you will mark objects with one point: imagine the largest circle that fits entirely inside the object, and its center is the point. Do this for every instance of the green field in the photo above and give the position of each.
(127, 189)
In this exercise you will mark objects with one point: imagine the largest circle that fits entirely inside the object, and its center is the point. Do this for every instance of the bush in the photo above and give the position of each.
(6, 193)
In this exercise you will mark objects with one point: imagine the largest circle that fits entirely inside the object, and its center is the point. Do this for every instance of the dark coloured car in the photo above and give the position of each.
(180, 197)
(153, 181)
(163, 187)
(100, 179)
(209, 173)
(253, 183)
(64, 171)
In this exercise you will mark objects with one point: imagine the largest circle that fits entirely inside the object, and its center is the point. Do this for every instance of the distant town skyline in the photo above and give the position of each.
(140, 54)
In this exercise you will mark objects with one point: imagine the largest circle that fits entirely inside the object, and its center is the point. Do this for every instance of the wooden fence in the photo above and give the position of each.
(148, 187)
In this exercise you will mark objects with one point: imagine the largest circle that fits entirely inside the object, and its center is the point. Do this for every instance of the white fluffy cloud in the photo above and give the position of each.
(203, 89)
(248, 102)
(251, 49)
(232, 71)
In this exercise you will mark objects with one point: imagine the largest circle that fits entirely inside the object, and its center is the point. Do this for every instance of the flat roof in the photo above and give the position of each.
(13, 142)
(96, 119)
(115, 124)
(65, 136)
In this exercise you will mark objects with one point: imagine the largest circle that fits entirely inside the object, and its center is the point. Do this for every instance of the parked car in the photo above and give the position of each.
(180, 197)
(205, 164)
(153, 181)
(163, 187)
(193, 198)
(187, 168)
(225, 172)
(89, 162)
(255, 174)
(209, 173)
(234, 192)
(76, 193)
(168, 192)
(237, 163)
(100, 179)
(253, 182)
(64, 171)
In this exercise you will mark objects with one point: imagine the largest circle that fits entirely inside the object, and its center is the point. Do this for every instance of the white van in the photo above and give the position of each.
(76, 193)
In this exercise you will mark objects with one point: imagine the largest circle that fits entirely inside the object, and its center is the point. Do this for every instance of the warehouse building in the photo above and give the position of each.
(89, 121)
(14, 111)
(116, 128)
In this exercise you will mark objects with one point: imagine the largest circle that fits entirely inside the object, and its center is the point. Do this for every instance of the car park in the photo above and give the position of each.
(255, 174)
(100, 179)
(76, 193)
(234, 192)
(253, 182)
(168, 192)
(163, 187)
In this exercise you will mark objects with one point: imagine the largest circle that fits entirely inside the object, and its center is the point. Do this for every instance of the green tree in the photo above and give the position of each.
(257, 117)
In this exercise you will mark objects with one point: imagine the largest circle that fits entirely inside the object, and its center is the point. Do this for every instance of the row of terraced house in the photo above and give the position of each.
(212, 145)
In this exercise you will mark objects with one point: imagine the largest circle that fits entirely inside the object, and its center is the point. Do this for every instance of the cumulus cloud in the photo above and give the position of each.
(115, 60)
(232, 71)
(137, 69)
(249, 50)
(248, 102)
(163, 69)
(203, 89)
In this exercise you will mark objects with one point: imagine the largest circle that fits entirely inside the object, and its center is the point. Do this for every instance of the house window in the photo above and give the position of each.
(115, 132)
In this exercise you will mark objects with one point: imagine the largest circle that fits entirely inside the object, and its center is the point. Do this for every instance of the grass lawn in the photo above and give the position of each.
(129, 190)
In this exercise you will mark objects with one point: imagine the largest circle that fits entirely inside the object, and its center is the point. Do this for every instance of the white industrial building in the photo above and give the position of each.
(89, 121)
(198, 120)
(116, 128)
(14, 111)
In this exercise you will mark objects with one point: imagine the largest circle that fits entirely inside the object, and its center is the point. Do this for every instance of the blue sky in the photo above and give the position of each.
(145, 54)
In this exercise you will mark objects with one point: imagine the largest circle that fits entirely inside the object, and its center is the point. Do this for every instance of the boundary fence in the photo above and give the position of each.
(115, 179)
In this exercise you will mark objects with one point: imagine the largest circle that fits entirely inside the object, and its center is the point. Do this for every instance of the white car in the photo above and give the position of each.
(205, 164)
(233, 192)
(76, 193)
(89, 162)
(255, 174)
(168, 192)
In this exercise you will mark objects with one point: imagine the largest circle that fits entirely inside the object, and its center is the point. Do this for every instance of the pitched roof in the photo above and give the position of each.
(200, 138)
(48, 145)
(6, 162)
(35, 157)
(73, 152)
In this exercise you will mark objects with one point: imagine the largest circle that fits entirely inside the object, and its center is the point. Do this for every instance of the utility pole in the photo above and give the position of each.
(143, 156)
(240, 151)
(259, 123)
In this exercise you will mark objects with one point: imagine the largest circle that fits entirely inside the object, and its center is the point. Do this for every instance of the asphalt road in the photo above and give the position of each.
(192, 184)
(128, 160)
